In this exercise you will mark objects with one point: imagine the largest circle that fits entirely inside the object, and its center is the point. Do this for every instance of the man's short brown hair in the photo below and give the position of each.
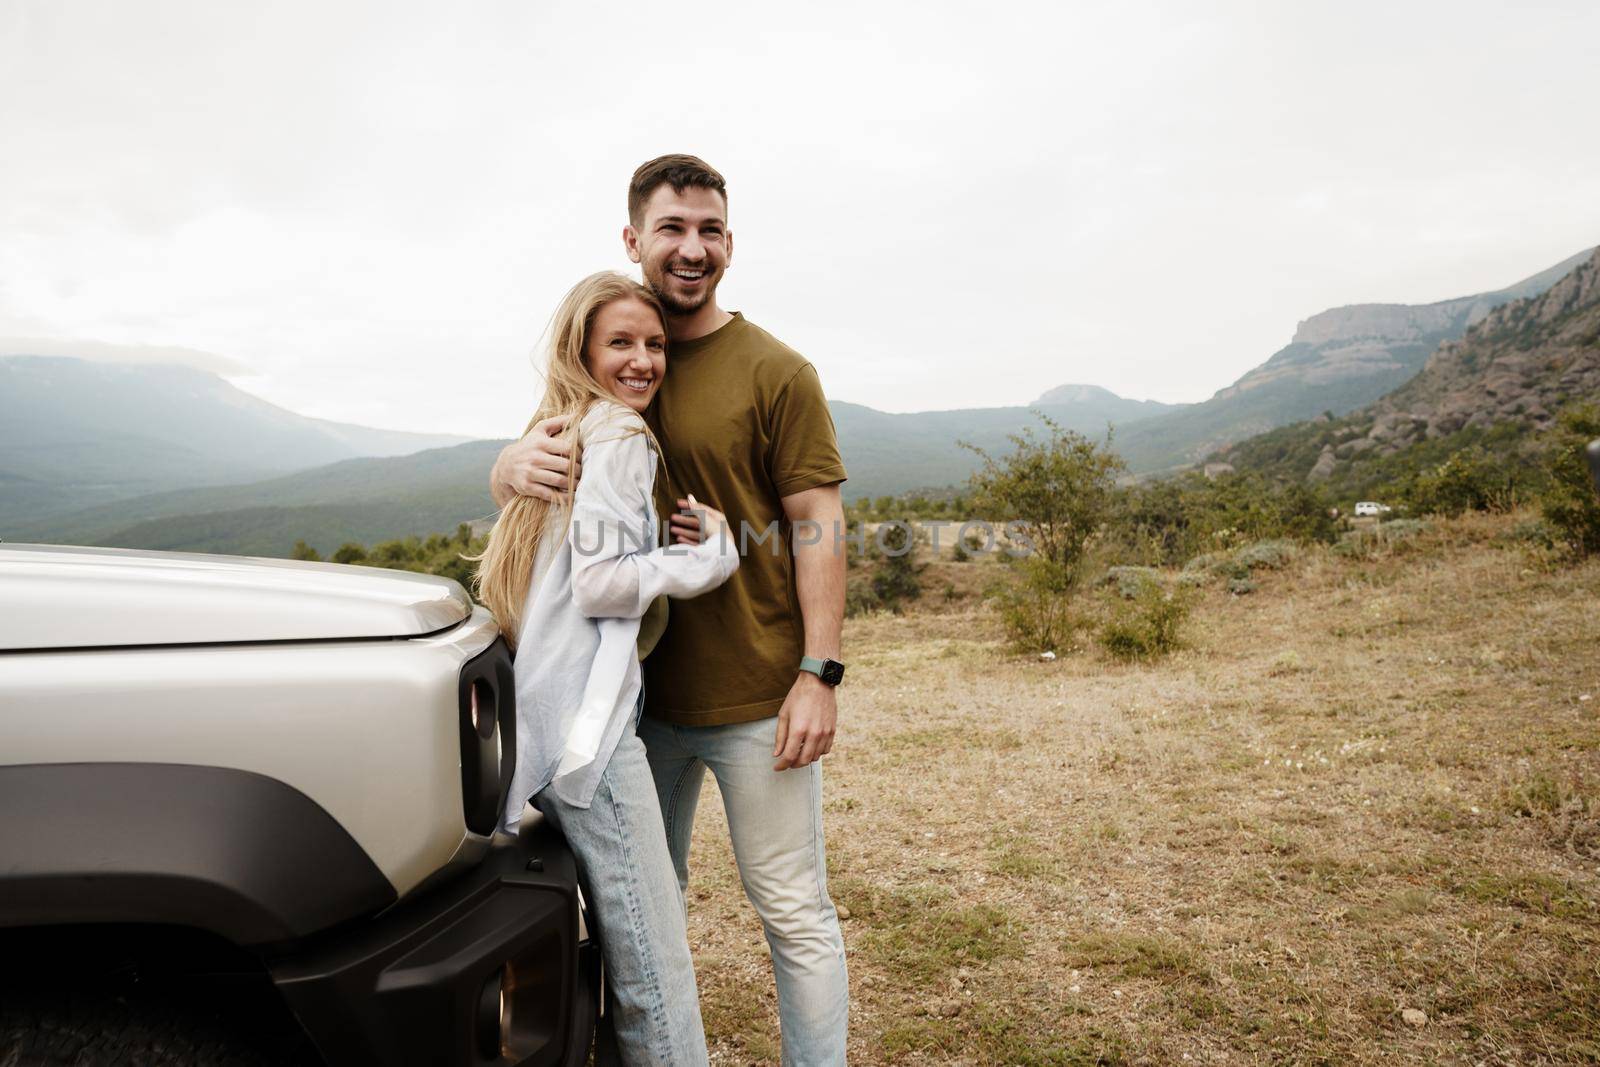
(679, 171)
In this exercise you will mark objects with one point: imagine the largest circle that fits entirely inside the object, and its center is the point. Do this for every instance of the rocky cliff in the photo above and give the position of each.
(1514, 367)
(1339, 360)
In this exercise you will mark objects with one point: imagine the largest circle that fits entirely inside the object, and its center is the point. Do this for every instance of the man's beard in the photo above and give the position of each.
(657, 281)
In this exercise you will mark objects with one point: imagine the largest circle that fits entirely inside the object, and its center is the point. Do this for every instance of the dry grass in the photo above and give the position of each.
(1373, 785)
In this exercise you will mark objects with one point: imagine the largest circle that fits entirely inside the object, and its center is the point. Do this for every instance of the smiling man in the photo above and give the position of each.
(741, 682)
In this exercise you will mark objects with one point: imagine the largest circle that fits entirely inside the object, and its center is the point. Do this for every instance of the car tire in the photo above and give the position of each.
(169, 1026)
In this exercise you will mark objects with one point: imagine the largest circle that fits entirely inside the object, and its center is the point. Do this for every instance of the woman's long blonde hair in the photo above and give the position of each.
(505, 569)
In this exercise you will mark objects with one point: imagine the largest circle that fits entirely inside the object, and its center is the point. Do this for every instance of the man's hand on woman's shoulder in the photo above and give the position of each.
(534, 466)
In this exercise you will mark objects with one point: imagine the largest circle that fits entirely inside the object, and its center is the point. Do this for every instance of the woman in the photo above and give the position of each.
(573, 581)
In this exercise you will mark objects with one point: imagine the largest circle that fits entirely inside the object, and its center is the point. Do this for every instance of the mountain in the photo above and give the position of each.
(889, 454)
(1116, 409)
(431, 491)
(75, 432)
(134, 441)
(1338, 361)
(1503, 380)
(352, 500)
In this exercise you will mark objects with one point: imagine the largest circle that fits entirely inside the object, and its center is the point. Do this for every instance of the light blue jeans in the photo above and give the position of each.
(775, 820)
(627, 873)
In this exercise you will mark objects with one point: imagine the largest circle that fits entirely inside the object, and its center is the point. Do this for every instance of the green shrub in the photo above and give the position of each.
(859, 598)
(1472, 479)
(898, 577)
(1371, 540)
(1128, 581)
(1535, 533)
(1237, 564)
(1272, 555)
(1569, 503)
(439, 554)
(1035, 605)
(1059, 489)
(1150, 626)
(1208, 563)
(1168, 521)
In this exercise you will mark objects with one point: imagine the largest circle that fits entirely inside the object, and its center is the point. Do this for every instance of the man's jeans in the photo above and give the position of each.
(627, 872)
(775, 820)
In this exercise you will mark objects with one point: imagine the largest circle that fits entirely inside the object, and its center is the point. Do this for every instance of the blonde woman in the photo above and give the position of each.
(581, 587)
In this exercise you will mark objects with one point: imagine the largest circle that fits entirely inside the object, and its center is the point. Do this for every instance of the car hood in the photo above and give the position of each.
(58, 596)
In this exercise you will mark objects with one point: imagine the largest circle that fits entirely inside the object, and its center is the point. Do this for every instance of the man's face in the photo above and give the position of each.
(684, 246)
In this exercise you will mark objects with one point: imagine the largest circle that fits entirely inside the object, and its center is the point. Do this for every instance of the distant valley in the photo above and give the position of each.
(170, 457)
(76, 433)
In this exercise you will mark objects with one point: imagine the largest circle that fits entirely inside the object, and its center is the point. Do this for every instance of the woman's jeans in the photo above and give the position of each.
(775, 820)
(627, 871)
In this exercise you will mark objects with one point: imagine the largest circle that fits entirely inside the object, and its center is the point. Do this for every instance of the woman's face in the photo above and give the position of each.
(627, 351)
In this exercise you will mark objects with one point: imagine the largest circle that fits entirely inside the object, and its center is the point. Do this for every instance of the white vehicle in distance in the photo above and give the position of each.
(1366, 508)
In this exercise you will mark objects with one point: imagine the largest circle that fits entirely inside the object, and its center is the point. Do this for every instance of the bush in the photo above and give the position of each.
(1150, 626)
(1128, 581)
(1472, 479)
(439, 554)
(1272, 555)
(1166, 522)
(1035, 605)
(1236, 565)
(898, 578)
(1375, 539)
(859, 599)
(1534, 533)
(1570, 504)
(1059, 489)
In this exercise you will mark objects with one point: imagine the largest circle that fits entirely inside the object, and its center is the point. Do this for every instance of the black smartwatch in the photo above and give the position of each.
(831, 671)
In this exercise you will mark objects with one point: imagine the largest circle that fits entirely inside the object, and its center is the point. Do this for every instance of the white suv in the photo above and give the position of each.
(248, 808)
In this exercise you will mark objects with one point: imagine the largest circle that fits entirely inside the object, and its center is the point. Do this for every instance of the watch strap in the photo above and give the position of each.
(830, 671)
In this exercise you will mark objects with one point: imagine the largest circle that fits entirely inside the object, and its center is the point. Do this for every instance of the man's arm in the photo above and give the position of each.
(810, 711)
(534, 466)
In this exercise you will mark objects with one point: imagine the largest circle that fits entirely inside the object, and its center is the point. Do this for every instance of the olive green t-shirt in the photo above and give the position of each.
(742, 423)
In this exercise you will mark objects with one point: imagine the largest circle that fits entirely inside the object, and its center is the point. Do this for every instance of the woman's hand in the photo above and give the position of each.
(695, 523)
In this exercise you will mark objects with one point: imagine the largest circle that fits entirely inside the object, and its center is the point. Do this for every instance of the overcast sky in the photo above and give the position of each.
(367, 212)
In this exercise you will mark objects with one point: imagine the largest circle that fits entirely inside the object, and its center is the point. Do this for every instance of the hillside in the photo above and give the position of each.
(1506, 378)
(1116, 408)
(1338, 361)
(75, 432)
(378, 499)
(889, 454)
(356, 499)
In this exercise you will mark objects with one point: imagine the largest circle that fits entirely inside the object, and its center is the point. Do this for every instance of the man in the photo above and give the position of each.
(742, 680)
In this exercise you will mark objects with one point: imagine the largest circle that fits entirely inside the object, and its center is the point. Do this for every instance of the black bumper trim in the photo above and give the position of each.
(407, 988)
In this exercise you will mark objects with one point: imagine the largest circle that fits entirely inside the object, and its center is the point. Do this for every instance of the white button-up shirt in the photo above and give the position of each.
(577, 667)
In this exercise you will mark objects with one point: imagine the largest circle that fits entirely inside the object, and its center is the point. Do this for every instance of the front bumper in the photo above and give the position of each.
(492, 968)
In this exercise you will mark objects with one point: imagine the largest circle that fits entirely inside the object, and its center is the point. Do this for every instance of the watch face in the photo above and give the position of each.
(832, 672)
